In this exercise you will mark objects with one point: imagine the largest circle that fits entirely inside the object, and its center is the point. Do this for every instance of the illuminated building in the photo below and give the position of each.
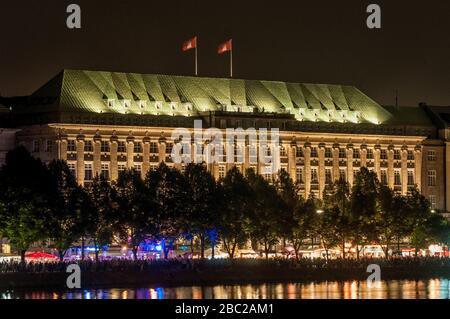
(104, 122)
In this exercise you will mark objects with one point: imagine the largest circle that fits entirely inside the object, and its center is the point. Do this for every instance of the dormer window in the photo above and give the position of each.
(173, 106)
(188, 106)
(142, 104)
(158, 105)
(126, 103)
(110, 102)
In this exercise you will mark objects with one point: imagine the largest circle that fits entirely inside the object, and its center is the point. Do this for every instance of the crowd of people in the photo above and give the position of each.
(182, 264)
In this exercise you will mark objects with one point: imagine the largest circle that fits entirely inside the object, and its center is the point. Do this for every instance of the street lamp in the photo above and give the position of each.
(319, 211)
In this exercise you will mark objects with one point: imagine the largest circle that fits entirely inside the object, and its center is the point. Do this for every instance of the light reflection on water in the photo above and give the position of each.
(393, 289)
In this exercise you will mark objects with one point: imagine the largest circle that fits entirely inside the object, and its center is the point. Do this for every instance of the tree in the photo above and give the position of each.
(168, 190)
(336, 205)
(67, 208)
(24, 198)
(136, 214)
(288, 193)
(235, 206)
(363, 208)
(202, 204)
(268, 206)
(419, 213)
(392, 218)
(438, 228)
(103, 215)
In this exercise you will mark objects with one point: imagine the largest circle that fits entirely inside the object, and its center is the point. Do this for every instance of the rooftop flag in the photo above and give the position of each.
(224, 47)
(189, 45)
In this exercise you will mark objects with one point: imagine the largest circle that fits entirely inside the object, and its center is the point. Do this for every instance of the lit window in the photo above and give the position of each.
(154, 148)
(104, 146)
(88, 146)
(71, 146)
(431, 178)
(383, 177)
(137, 147)
(105, 171)
(121, 147)
(431, 155)
(121, 167)
(369, 153)
(87, 172)
(383, 155)
(397, 178)
(410, 177)
(299, 174)
(432, 199)
(282, 151)
(221, 171)
(170, 145)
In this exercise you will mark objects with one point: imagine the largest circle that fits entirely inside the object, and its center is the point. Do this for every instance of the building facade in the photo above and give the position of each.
(105, 122)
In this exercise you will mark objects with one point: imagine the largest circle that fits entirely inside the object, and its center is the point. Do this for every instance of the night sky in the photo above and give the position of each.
(299, 41)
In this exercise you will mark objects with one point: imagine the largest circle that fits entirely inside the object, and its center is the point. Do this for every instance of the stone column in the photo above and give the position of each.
(145, 157)
(418, 167)
(350, 165)
(62, 149)
(162, 151)
(363, 155)
(113, 160)
(376, 154)
(97, 165)
(390, 168)
(404, 171)
(80, 161)
(130, 154)
(292, 162)
(335, 164)
(307, 155)
(321, 154)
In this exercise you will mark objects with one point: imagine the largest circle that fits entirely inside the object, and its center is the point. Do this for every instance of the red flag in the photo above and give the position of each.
(189, 44)
(224, 47)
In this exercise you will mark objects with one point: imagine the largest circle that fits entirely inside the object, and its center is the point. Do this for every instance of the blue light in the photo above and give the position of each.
(158, 247)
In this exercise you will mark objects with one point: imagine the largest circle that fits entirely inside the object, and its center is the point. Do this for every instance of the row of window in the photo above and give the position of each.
(121, 147)
(343, 175)
(356, 153)
(137, 148)
(48, 146)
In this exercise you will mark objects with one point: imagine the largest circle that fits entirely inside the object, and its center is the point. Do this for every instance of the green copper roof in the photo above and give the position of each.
(131, 93)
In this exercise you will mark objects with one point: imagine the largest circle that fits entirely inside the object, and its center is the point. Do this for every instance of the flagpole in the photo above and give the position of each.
(196, 66)
(231, 60)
